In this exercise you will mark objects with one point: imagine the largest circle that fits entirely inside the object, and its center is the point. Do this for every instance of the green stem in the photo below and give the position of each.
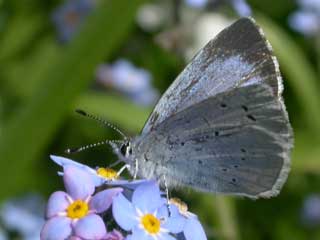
(225, 209)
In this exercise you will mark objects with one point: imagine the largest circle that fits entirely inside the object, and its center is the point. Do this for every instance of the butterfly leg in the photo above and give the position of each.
(167, 193)
(115, 163)
(126, 166)
(136, 169)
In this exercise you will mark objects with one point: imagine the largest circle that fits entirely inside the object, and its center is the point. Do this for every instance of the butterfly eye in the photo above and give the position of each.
(123, 149)
(126, 149)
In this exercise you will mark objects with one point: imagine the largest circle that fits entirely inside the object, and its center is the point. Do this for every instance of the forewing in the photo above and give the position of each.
(236, 142)
(239, 56)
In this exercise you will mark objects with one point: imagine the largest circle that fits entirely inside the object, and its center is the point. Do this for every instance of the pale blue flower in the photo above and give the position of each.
(134, 82)
(75, 212)
(24, 215)
(306, 19)
(3, 235)
(146, 215)
(196, 3)
(96, 174)
(241, 7)
(192, 228)
(311, 210)
(69, 17)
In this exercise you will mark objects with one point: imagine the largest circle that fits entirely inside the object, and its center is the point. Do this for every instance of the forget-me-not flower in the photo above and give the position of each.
(99, 175)
(146, 216)
(24, 215)
(306, 19)
(192, 228)
(241, 7)
(311, 210)
(69, 17)
(134, 82)
(75, 212)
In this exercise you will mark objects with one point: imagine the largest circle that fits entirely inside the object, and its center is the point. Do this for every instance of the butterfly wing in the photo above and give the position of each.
(236, 142)
(239, 56)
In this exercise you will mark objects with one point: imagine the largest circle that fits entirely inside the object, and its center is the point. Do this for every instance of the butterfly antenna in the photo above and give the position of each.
(80, 149)
(83, 113)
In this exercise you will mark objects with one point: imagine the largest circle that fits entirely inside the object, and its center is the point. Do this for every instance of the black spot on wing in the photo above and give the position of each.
(251, 117)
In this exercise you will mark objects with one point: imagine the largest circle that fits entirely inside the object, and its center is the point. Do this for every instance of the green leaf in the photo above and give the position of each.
(21, 30)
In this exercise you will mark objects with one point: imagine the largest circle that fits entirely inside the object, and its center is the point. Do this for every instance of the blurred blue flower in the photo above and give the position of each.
(306, 20)
(146, 216)
(3, 235)
(99, 175)
(192, 228)
(241, 7)
(196, 3)
(128, 79)
(23, 215)
(76, 212)
(311, 211)
(69, 17)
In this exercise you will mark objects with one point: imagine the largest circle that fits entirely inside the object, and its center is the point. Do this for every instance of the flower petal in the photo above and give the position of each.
(56, 228)
(103, 200)
(127, 184)
(128, 237)
(140, 234)
(147, 197)
(163, 212)
(58, 202)
(175, 224)
(98, 181)
(65, 162)
(74, 238)
(124, 213)
(114, 235)
(78, 182)
(90, 227)
(193, 230)
(166, 236)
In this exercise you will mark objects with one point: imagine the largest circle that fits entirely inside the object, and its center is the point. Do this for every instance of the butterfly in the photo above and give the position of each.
(222, 125)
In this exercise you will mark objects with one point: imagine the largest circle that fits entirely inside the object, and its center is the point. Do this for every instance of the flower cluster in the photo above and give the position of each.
(97, 205)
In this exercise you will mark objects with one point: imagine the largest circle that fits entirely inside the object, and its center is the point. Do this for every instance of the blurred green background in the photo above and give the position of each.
(44, 77)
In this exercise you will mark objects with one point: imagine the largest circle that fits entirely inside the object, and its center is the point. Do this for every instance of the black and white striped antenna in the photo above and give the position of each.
(104, 122)
(92, 145)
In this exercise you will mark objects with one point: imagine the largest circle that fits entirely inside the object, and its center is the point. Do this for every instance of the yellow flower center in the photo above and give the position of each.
(150, 223)
(107, 173)
(182, 206)
(77, 209)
